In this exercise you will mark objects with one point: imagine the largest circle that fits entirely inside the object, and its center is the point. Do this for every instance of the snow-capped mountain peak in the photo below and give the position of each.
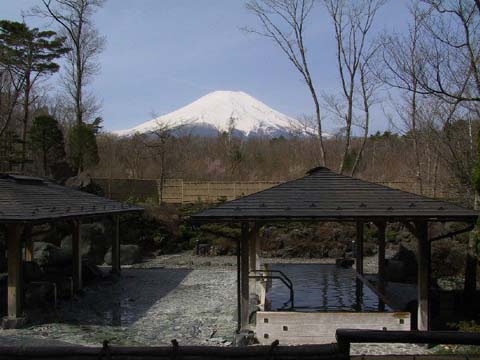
(219, 111)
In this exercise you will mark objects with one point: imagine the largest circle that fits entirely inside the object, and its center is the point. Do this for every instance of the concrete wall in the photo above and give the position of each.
(295, 328)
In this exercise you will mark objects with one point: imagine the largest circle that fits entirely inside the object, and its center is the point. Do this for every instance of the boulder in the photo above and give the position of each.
(80, 181)
(395, 271)
(84, 182)
(403, 266)
(335, 253)
(41, 232)
(94, 244)
(46, 254)
(129, 254)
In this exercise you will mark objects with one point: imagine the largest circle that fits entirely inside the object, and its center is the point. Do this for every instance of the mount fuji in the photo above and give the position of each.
(221, 111)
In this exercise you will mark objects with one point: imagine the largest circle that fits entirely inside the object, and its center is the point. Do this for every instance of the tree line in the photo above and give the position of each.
(427, 79)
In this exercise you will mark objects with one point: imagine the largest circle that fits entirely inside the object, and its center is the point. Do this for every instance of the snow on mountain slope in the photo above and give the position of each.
(213, 113)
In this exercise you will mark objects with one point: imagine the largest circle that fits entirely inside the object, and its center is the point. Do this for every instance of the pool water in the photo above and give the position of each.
(321, 287)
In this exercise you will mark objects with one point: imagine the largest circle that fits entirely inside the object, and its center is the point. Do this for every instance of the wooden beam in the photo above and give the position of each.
(77, 255)
(244, 270)
(423, 283)
(116, 268)
(15, 283)
(359, 248)
(27, 233)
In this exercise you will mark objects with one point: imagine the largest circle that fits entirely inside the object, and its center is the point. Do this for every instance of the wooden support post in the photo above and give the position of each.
(116, 246)
(382, 226)
(381, 254)
(27, 233)
(77, 255)
(470, 284)
(239, 285)
(245, 294)
(359, 248)
(253, 257)
(423, 283)
(15, 283)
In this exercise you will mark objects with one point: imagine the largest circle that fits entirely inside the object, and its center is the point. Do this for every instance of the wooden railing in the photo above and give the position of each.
(340, 351)
(345, 337)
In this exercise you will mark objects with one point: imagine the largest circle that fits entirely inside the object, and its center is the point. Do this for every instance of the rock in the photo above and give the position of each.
(369, 249)
(336, 253)
(41, 232)
(84, 182)
(402, 267)
(129, 254)
(344, 262)
(94, 244)
(395, 271)
(80, 181)
(46, 254)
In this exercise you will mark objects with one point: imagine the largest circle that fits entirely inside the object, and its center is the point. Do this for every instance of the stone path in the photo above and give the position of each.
(147, 307)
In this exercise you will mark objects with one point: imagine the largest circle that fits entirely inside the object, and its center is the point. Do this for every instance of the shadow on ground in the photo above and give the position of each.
(122, 302)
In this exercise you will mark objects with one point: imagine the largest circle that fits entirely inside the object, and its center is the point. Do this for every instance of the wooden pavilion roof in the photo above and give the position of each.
(325, 195)
(27, 199)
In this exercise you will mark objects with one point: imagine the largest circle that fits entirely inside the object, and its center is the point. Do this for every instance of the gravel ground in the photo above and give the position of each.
(184, 297)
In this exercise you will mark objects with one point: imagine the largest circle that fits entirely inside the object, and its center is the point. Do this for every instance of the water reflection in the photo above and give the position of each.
(323, 287)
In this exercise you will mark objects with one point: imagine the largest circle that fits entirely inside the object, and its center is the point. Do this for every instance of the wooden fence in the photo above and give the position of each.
(179, 191)
(334, 351)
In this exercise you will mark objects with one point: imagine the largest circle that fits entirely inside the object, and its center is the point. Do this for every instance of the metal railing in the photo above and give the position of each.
(282, 277)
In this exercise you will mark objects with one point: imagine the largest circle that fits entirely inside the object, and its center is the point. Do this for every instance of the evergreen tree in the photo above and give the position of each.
(83, 145)
(46, 140)
(30, 54)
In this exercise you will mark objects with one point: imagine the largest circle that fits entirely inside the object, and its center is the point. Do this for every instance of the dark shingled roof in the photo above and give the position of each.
(325, 195)
(24, 198)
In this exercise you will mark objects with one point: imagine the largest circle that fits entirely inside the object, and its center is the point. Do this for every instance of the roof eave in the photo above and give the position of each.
(43, 219)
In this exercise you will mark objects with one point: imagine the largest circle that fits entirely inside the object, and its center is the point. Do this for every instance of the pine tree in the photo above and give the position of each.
(46, 139)
(30, 54)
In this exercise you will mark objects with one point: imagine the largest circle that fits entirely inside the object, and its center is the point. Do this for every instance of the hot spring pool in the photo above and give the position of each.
(321, 287)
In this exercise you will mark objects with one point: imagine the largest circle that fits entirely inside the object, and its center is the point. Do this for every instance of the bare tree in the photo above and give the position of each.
(403, 58)
(74, 18)
(452, 73)
(452, 51)
(352, 22)
(283, 21)
(159, 140)
(368, 84)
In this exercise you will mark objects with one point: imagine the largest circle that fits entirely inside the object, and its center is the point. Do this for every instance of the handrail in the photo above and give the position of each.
(292, 296)
(347, 336)
(276, 272)
(283, 278)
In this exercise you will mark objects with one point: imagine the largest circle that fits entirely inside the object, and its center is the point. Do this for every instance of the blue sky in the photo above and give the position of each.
(164, 54)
